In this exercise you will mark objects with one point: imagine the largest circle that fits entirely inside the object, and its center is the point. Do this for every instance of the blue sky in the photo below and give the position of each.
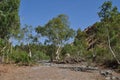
(82, 13)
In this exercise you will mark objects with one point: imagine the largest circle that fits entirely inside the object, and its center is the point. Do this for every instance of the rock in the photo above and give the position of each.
(112, 78)
(108, 78)
(105, 73)
(115, 78)
(84, 68)
(92, 68)
(77, 69)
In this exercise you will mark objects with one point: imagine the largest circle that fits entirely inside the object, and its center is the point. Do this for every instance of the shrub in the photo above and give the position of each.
(40, 56)
(21, 57)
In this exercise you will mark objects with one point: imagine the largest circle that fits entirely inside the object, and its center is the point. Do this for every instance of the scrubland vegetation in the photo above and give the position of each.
(98, 43)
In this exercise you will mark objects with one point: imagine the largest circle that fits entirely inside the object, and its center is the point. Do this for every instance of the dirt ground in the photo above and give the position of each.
(12, 72)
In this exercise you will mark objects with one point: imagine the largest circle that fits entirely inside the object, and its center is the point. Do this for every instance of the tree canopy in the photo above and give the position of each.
(9, 18)
(57, 30)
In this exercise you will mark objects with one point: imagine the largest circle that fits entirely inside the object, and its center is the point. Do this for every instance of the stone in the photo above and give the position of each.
(106, 73)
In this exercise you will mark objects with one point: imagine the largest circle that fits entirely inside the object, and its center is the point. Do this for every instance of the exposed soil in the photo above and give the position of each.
(13, 72)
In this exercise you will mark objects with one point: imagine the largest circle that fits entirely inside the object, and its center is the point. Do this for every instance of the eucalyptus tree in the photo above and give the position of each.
(57, 31)
(27, 37)
(9, 22)
(9, 18)
(110, 20)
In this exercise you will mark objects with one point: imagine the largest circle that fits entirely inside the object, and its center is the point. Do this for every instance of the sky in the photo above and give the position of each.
(81, 13)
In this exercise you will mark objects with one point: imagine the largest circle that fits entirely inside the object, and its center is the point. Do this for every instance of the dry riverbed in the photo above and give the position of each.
(46, 72)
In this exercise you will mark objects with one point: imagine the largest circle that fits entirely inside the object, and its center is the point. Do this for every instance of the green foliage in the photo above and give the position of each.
(9, 26)
(39, 52)
(50, 51)
(105, 33)
(40, 56)
(2, 43)
(21, 57)
(68, 49)
(80, 43)
(100, 32)
(9, 18)
(57, 31)
(110, 25)
(105, 10)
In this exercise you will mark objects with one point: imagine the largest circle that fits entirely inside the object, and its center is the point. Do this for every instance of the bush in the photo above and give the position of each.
(21, 57)
(40, 56)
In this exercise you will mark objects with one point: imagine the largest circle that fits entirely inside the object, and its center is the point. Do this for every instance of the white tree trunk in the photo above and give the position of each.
(58, 53)
(30, 54)
(111, 49)
(3, 56)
